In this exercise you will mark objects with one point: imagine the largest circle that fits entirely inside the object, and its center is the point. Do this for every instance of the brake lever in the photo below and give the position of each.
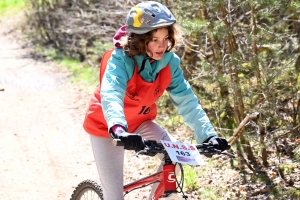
(211, 151)
(228, 154)
(140, 152)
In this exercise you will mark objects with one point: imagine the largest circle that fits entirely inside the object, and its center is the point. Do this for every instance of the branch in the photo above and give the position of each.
(293, 130)
(237, 132)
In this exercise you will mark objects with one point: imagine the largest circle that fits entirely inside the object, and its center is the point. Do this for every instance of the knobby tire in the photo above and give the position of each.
(87, 190)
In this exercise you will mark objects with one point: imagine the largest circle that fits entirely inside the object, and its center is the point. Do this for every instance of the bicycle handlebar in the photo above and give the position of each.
(118, 142)
(153, 147)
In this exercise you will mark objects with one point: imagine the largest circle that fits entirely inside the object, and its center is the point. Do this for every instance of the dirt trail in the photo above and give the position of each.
(44, 150)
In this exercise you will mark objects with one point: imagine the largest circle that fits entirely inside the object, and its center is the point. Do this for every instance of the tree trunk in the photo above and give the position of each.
(259, 89)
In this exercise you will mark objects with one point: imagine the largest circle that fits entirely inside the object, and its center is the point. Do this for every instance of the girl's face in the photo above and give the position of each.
(159, 44)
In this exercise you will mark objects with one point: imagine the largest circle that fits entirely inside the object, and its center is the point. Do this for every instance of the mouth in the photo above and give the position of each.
(159, 53)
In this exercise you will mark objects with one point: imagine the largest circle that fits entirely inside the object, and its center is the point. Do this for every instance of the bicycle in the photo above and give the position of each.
(168, 183)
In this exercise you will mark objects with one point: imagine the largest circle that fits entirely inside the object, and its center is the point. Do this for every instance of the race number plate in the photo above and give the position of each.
(183, 153)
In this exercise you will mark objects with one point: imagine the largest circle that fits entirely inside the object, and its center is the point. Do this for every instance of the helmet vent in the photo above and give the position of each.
(156, 7)
(149, 13)
(133, 13)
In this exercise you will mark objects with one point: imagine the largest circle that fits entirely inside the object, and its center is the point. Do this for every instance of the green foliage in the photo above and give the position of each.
(167, 114)
(11, 7)
(274, 64)
(100, 47)
(275, 192)
(295, 193)
(87, 75)
(286, 169)
(208, 193)
(295, 5)
(259, 178)
(190, 178)
(219, 30)
(297, 153)
(194, 25)
(83, 74)
(282, 193)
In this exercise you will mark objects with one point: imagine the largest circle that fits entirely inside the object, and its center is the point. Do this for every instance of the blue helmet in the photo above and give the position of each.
(147, 16)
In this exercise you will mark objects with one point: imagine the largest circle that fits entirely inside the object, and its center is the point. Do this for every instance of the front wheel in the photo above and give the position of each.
(87, 190)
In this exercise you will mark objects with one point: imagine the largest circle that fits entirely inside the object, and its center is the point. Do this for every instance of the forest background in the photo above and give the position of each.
(242, 59)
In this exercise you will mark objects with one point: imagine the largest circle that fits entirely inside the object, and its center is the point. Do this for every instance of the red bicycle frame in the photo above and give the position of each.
(167, 180)
(167, 187)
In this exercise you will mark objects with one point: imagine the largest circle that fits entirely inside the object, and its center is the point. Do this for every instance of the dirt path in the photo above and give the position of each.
(44, 150)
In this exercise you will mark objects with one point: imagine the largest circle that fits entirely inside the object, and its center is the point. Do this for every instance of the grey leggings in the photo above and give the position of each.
(110, 159)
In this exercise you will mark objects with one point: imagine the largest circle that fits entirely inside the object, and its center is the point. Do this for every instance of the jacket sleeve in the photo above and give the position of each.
(188, 105)
(113, 88)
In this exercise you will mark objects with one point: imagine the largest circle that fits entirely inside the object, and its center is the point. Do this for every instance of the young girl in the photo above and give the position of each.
(137, 73)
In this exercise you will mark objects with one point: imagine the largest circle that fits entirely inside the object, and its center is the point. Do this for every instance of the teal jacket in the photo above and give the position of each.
(119, 71)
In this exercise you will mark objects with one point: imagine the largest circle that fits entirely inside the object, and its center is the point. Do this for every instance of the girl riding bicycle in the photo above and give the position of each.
(132, 77)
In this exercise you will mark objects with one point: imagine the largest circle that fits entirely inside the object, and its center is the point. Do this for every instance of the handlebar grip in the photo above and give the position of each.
(118, 142)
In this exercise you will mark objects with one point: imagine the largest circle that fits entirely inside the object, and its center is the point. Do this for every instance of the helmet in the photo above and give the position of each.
(147, 16)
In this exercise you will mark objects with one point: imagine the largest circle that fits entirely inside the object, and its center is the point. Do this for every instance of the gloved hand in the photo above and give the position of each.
(219, 143)
(132, 141)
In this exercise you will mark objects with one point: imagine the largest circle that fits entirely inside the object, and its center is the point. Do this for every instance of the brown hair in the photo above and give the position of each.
(136, 44)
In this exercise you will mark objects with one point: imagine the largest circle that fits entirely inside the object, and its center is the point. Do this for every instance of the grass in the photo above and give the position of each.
(190, 178)
(11, 7)
(283, 193)
(286, 169)
(82, 74)
(86, 75)
(295, 193)
(297, 153)
(208, 193)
